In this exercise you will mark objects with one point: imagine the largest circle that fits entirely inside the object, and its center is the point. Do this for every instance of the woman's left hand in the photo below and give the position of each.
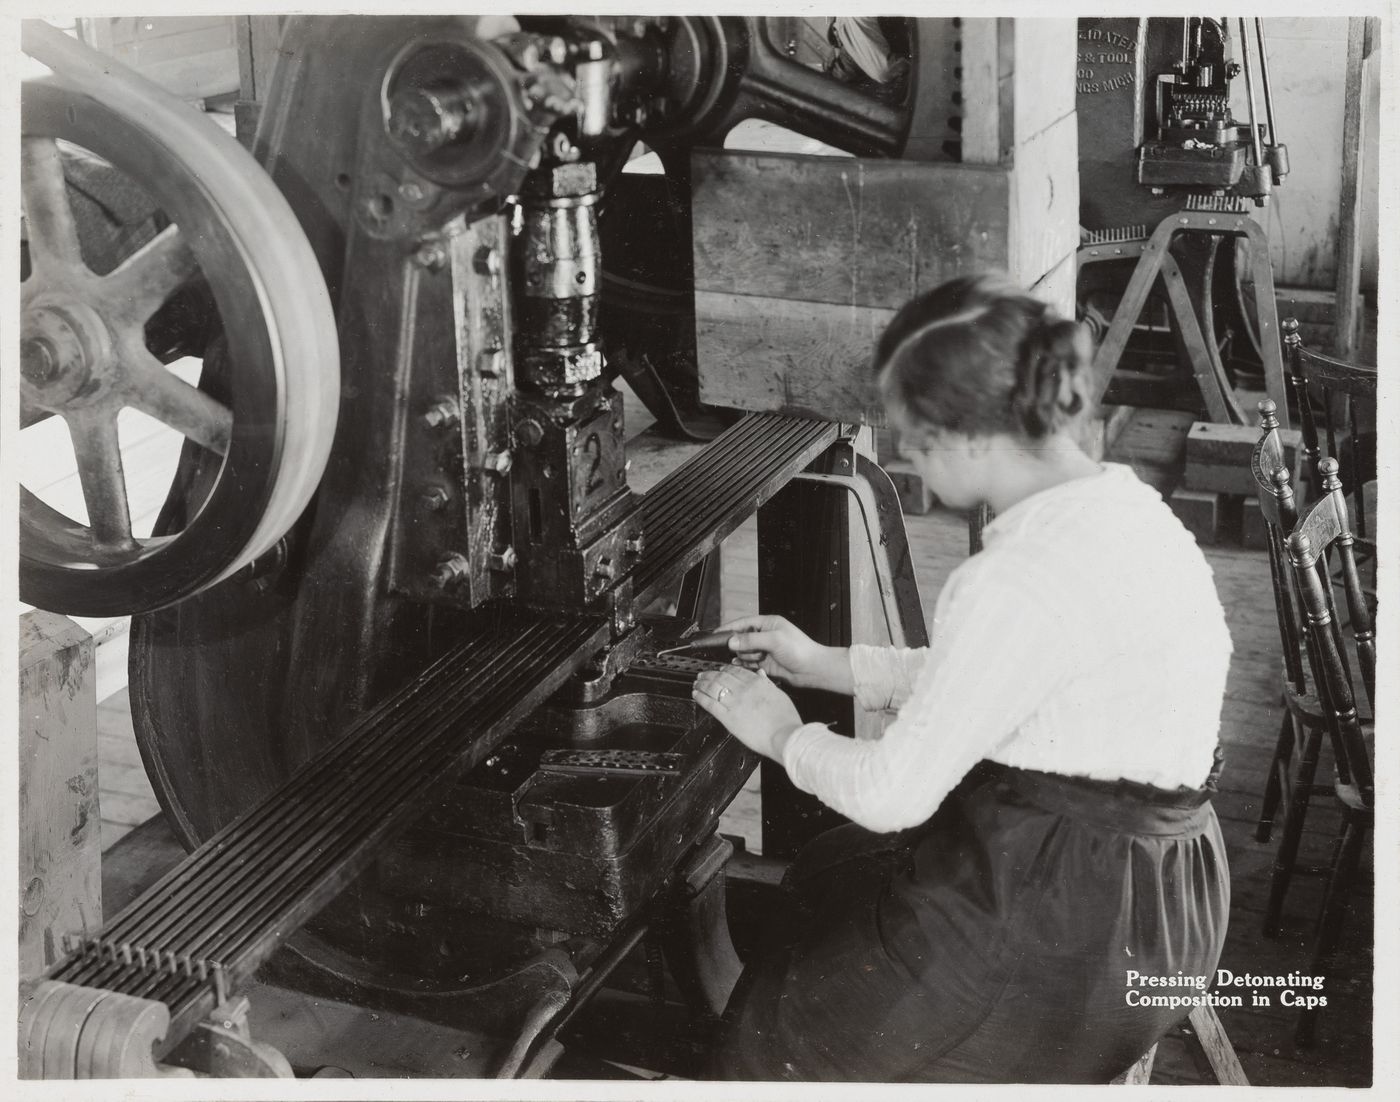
(751, 707)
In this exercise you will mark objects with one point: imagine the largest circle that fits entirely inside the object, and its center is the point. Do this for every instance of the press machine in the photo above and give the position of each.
(393, 663)
(1171, 180)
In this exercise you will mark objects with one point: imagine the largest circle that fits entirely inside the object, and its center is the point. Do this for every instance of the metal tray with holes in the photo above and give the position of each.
(613, 762)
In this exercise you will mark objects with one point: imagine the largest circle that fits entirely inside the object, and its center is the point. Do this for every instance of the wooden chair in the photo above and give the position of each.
(1322, 531)
(1210, 1049)
(977, 519)
(1291, 782)
(1345, 392)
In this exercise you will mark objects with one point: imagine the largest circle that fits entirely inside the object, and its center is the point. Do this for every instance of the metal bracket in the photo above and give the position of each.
(1155, 259)
(883, 521)
(222, 1046)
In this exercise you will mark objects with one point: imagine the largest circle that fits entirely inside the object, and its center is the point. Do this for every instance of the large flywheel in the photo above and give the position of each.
(257, 427)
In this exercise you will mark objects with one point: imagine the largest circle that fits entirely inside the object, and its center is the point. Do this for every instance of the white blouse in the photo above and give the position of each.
(1085, 639)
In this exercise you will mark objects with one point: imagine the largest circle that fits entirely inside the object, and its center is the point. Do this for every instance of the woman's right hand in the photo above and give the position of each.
(784, 651)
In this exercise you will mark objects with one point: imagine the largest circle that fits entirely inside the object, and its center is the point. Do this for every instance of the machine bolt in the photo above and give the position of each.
(487, 261)
(604, 572)
(434, 499)
(529, 433)
(38, 361)
(430, 255)
(442, 413)
(503, 561)
(497, 462)
(489, 362)
(633, 546)
(451, 570)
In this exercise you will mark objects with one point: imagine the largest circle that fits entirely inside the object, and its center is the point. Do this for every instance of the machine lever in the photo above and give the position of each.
(713, 647)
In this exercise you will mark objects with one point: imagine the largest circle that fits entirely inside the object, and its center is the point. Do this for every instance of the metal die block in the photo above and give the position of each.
(576, 526)
(1162, 164)
(576, 465)
(576, 576)
(575, 852)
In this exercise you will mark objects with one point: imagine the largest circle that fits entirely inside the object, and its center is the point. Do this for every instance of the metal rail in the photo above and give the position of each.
(207, 926)
(695, 507)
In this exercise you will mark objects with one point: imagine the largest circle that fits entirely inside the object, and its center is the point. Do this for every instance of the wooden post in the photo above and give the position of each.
(1359, 37)
(60, 825)
(983, 132)
(258, 39)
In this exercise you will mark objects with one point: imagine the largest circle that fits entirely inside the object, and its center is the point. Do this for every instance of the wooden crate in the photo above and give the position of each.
(194, 57)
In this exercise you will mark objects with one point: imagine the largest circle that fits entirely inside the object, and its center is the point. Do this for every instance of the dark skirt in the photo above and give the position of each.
(991, 944)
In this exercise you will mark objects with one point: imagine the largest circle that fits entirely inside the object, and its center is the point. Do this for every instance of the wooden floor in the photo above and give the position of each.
(1262, 1035)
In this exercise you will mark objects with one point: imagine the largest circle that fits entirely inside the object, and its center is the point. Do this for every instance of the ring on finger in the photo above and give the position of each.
(723, 692)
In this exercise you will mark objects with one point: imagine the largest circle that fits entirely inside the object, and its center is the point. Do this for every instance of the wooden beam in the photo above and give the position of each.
(982, 136)
(809, 359)
(843, 230)
(1349, 218)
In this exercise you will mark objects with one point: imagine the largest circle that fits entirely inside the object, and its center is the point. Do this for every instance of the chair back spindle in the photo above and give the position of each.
(1280, 513)
(1325, 652)
(1347, 393)
(1325, 528)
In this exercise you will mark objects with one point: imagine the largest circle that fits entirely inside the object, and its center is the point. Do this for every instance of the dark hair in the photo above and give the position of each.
(979, 356)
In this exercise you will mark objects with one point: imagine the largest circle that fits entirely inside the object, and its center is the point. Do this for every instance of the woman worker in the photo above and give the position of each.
(1034, 825)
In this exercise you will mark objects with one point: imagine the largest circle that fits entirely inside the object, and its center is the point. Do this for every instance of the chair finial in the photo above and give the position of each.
(1290, 331)
(1268, 414)
(1280, 478)
(1328, 469)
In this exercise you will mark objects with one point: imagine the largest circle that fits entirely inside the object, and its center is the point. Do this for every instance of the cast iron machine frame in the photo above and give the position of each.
(472, 549)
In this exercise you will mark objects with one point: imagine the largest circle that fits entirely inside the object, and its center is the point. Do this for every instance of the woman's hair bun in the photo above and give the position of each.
(980, 355)
(1045, 397)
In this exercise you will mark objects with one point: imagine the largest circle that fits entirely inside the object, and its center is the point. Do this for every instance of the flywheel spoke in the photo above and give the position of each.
(172, 401)
(153, 273)
(52, 232)
(99, 456)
